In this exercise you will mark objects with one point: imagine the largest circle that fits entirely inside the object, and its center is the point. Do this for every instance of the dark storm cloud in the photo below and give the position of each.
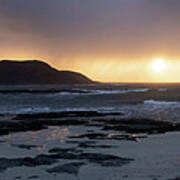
(117, 27)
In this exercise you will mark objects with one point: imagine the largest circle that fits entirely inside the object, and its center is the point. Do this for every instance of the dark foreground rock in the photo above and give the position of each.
(103, 121)
(6, 163)
(85, 145)
(105, 159)
(17, 177)
(70, 168)
(177, 178)
(141, 126)
(25, 146)
(33, 177)
(97, 158)
(65, 114)
(106, 136)
(64, 150)
(7, 127)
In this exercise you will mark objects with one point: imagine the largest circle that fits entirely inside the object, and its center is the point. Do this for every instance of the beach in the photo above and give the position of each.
(99, 131)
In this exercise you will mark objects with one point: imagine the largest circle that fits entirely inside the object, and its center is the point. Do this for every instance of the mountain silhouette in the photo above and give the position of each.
(36, 72)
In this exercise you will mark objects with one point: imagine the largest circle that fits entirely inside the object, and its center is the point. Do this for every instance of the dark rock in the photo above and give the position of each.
(61, 150)
(18, 177)
(125, 176)
(70, 168)
(105, 159)
(49, 159)
(24, 146)
(2, 141)
(141, 126)
(177, 178)
(129, 137)
(101, 159)
(64, 114)
(6, 163)
(7, 127)
(38, 121)
(72, 142)
(91, 136)
(101, 136)
(33, 177)
(87, 145)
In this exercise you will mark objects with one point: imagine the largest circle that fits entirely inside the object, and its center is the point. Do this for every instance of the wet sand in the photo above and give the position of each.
(82, 145)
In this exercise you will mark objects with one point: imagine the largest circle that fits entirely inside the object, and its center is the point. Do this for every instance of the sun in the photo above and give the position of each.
(159, 65)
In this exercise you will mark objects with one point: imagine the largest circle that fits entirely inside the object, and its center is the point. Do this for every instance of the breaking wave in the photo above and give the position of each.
(161, 103)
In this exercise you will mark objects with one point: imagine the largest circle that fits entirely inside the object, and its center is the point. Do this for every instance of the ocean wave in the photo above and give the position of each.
(27, 110)
(161, 103)
(98, 109)
(101, 92)
(120, 91)
(74, 91)
(32, 110)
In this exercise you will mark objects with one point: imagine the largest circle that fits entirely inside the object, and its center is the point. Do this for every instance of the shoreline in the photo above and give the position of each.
(64, 145)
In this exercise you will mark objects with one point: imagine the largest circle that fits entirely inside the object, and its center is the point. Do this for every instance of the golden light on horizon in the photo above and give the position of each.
(159, 65)
(147, 69)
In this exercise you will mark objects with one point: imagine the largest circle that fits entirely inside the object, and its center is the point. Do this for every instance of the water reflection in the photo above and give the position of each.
(57, 133)
(43, 138)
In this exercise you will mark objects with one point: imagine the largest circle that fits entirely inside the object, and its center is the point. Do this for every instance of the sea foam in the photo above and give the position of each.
(160, 103)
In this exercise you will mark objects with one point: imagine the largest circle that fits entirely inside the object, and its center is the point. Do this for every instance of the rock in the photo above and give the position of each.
(25, 146)
(63, 115)
(101, 136)
(70, 168)
(120, 136)
(38, 121)
(177, 178)
(6, 163)
(91, 136)
(141, 126)
(90, 145)
(33, 177)
(105, 159)
(17, 177)
(61, 150)
(101, 159)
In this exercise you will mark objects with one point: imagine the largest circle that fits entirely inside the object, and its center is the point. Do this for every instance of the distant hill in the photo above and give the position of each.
(36, 72)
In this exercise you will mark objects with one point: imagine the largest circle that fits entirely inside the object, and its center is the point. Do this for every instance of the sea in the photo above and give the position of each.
(153, 101)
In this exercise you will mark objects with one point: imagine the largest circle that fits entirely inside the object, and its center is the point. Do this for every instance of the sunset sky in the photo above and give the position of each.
(107, 40)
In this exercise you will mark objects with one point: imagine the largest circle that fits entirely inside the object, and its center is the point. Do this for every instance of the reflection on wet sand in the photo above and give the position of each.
(43, 137)
(57, 133)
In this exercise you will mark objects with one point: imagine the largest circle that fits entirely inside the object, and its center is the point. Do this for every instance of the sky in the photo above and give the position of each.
(107, 40)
